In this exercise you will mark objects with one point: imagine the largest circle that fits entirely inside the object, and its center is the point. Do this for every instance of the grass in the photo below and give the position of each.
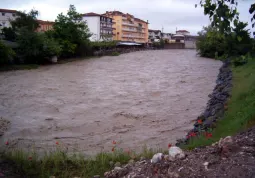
(240, 114)
(63, 165)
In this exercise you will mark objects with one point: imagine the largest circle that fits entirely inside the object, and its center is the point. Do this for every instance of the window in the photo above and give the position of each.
(3, 14)
(13, 15)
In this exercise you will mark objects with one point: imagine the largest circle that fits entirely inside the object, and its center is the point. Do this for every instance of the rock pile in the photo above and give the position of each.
(4, 124)
(215, 106)
(230, 157)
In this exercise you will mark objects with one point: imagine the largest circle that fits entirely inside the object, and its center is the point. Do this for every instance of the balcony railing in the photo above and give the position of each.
(132, 36)
(130, 30)
(129, 24)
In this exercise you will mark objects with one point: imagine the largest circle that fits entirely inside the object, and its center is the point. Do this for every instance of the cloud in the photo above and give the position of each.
(167, 14)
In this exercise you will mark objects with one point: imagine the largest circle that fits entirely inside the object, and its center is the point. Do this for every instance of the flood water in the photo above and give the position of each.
(142, 98)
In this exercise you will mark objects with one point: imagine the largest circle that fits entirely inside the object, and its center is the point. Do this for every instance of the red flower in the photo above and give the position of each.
(57, 143)
(192, 134)
(169, 145)
(30, 158)
(6, 143)
(208, 135)
(113, 149)
(114, 142)
(199, 121)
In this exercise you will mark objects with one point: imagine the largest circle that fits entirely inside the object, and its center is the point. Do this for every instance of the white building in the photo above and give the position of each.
(6, 15)
(100, 26)
(154, 35)
(182, 32)
(166, 36)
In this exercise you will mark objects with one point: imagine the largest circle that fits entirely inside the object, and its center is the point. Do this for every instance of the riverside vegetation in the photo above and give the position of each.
(220, 41)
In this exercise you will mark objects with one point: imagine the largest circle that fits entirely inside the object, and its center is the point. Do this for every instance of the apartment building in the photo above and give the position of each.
(6, 15)
(128, 28)
(100, 26)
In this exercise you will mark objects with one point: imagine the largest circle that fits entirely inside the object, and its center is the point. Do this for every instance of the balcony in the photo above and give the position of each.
(129, 24)
(133, 36)
(129, 30)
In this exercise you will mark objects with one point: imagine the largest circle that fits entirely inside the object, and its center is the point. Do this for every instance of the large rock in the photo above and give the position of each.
(176, 152)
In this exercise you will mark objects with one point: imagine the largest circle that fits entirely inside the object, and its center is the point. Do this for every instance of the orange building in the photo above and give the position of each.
(128, 28)
(44, 26)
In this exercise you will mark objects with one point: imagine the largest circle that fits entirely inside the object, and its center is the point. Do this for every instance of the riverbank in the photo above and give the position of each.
(237, 159)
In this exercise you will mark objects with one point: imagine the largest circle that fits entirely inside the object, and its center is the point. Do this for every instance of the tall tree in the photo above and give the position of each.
(71, 31)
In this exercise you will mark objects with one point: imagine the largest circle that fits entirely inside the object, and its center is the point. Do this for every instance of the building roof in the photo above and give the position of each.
(123, 14)
(8, 10)
(183, 31)
(92, 14)
(154, 30)
(45, 22)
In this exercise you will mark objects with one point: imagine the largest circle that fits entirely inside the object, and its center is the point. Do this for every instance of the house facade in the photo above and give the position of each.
(154, 35)
(182, 32)
(100, 26)
(6, 15)
(128, 28)
(44, 26)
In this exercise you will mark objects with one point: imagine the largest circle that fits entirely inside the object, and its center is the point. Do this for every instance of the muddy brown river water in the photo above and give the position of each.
(142, 98)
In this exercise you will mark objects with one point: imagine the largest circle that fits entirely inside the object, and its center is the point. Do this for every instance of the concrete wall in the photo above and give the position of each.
(94, 27)
(174, 46)
(190, 44)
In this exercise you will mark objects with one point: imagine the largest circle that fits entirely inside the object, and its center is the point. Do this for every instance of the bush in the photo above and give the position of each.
(98, 45)
(36, 48)
(6, 54)
(213, 44)
(115, 53)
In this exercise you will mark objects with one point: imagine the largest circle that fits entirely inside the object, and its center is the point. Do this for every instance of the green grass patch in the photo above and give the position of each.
(66, 165)
(241, 107)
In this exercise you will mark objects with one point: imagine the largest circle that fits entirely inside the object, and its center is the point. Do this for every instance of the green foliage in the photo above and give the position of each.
(6, 54)
(9, 34)
(103, 44)
(115, 53)
(214, 44)
(26, 20)
(70, 32)
(64, 165)
(35, 48)
(240, 114)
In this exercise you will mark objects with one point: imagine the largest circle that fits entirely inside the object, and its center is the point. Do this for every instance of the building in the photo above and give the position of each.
(154, 35)
(128, 28)
(44, 26)
(6, 15)
(100, 26)
(182, 32)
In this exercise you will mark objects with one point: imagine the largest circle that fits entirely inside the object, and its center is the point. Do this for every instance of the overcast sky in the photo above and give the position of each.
(167, 14)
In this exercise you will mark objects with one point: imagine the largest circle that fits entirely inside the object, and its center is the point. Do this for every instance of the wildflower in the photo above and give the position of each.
(113, 149)
(199, 121)
(57, 143)
(128, 151)
(208, 135)
(30, 158)
(169, 145)
(114, 142)
(6, 143)
(192, 134)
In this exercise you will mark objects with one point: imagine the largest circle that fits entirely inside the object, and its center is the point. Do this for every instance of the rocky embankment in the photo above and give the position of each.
(232, 157)
(215, 106)
(4, 124)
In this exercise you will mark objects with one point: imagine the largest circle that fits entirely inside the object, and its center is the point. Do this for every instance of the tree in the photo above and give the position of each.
(9, 34)
(26, 20)
(223, 12)
(71, 32)
(6, 54)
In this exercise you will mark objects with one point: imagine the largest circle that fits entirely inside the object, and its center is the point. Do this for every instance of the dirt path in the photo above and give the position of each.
(134, 99)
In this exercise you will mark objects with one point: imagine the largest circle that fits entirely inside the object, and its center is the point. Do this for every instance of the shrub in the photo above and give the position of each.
(115, 53)
(36, 48)
(6, 54)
